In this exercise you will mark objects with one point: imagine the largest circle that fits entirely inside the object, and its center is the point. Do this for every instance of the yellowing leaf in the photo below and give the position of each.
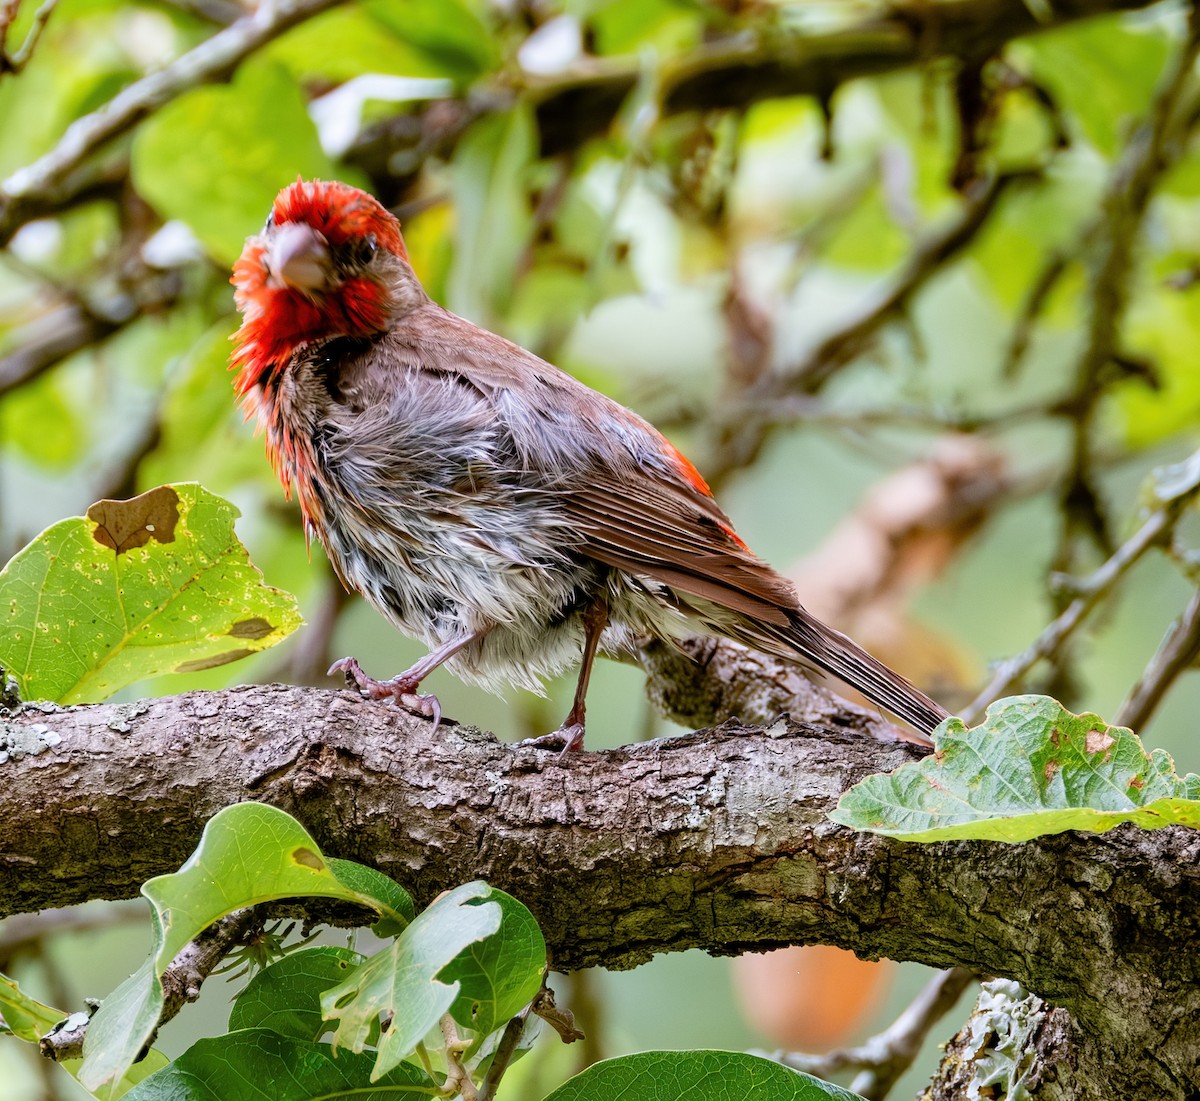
(158, 584)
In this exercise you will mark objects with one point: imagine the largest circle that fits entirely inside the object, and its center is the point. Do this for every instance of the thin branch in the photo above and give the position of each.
(17, 60)
(1031, 309)
(886, 1056)
(213, 59)
(1111, 241)
(181, 981)
(927, 259)
(741, 436)
(1176, 652)
(1091, 591)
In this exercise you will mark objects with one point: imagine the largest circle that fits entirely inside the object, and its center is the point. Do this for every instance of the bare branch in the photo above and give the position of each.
(1092, 590)
(181, 981)
(17, 60)
(886, 1056)
(1176, 653)
(213, 59)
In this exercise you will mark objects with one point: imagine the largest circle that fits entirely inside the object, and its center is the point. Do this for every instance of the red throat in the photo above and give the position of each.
(280, 320)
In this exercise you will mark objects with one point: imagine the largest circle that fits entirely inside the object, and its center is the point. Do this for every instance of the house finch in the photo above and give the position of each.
(486, 502)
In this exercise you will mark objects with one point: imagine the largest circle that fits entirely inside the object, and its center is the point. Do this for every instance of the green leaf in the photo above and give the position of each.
(450, 33)
(261, 1065)
(286, 996)
(1103, 72)
(259, 123)
(349, 42)
(249, 853)
(493, 219)
(498, 976)
(26, 1018)
(38, 420)
(1031, 768)
(159, 584)
(29, 1020)
(392, 900)
(403, 981)
(695, 1076)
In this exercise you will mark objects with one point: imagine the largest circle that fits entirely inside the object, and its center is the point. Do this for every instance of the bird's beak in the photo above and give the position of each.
(298, 257)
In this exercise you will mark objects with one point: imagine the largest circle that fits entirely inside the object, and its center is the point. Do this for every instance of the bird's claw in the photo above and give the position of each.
(402, 690)
(568, 738)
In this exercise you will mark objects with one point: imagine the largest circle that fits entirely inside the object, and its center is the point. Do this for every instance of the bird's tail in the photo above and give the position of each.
(833, 652)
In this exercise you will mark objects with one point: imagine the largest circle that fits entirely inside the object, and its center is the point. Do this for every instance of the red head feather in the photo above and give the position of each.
(279, 318)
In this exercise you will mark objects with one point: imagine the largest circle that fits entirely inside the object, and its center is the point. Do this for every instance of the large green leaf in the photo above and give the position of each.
(403, 983)
(261, 1065)
(1031, 768)
(258, 126)
(695, 1076)
(159, 584)
(249, 853)
(500, 975)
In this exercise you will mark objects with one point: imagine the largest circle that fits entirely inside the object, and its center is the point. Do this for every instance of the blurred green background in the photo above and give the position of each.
(682, 203)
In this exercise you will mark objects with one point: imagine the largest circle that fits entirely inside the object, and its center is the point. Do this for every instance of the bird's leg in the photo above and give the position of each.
(403, 687)
(570, 735)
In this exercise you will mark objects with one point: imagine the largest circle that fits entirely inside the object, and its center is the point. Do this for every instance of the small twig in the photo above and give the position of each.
(1031, 309)
(885, 1057)
(561, 1020)
(1092, 590)
(211, 60)
(458, 1079)
(1176, 652)
(926, 260)
(503, 1055)
(1109, 245)
(181, 981)
(17, 60)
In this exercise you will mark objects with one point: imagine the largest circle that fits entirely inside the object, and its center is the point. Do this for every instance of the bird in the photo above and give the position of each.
(487, 503)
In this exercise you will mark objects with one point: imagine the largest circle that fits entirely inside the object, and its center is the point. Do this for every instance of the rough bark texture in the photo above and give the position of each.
(716, 840)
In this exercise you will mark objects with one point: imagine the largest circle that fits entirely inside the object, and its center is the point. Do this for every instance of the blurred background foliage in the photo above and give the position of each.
(914, 284)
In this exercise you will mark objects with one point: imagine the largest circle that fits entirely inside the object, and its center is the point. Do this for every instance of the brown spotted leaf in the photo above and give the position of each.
(1030, 768)
(158, 584)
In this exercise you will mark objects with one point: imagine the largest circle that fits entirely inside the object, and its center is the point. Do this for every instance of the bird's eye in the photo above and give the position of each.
(362, 250)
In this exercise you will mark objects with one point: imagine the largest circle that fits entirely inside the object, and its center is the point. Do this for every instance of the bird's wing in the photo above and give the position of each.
(635, 503)
(667, 529)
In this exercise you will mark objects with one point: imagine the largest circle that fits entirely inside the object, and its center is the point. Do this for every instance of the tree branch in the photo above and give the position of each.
(43, 182)
(885, 1057)
(742, 70)
(716, 840)
(1154, 532)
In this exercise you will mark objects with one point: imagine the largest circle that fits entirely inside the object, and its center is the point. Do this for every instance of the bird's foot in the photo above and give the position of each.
(400, 689)
(568, 738)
